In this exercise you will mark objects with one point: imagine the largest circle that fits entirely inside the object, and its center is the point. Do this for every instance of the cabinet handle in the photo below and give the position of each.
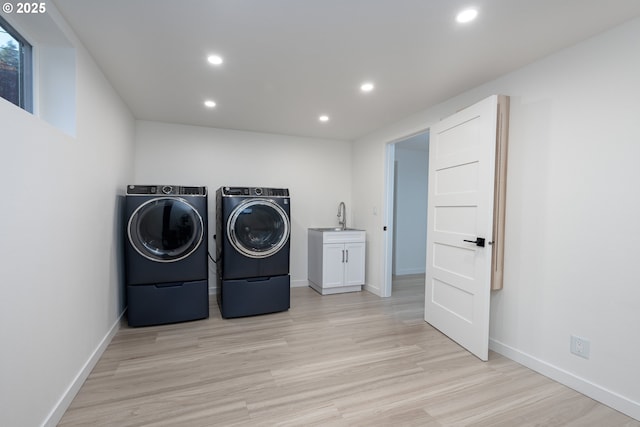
(343, 255)
(347, 255)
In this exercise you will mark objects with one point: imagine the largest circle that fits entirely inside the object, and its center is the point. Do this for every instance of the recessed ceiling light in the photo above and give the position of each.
(209, 104)
(323, 118)
(367, 87)
(466, 15)
(214, 59)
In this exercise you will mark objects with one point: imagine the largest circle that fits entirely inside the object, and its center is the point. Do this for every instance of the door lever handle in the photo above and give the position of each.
(479, 241)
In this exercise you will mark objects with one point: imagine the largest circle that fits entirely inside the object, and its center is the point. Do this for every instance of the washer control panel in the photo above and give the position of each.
(140, 190)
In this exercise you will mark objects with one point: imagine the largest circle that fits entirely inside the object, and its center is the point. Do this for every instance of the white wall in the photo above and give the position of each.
(61, 291)
(572, 213)
(410, 216)
(316, 171)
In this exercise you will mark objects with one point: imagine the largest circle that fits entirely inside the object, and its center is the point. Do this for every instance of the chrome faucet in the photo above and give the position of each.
(342, 215)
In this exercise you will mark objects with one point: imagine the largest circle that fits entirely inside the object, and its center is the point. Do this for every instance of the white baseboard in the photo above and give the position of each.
(63, 403)
(594, 391)
(408, 271)
(373, 290)
(299, 283)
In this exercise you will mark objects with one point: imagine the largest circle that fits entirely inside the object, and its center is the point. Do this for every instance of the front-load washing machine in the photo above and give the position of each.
(252, 246)
(166, 254)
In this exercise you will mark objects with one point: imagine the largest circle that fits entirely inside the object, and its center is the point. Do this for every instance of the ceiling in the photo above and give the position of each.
(286, 62)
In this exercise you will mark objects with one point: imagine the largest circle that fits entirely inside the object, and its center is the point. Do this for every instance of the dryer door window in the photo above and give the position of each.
(258, 228)
(165, 229)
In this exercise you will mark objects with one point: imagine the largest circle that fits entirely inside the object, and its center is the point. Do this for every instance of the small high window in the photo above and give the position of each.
(15, 67)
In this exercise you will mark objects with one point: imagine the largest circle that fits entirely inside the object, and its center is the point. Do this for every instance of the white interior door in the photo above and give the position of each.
(460, 210)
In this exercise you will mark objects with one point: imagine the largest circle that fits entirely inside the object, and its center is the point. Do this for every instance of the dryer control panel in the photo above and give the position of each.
(254, 191)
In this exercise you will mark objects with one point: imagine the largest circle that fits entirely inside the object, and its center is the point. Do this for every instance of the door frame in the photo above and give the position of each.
(387, 219)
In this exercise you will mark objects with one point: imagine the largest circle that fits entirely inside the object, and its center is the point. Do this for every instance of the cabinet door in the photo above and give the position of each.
(354, 266)
(333, 257)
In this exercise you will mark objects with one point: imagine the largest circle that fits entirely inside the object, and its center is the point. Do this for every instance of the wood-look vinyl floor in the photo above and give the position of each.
(338, 360)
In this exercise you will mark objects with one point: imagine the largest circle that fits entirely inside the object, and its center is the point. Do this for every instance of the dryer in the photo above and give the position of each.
(166, 254)
(253, 228)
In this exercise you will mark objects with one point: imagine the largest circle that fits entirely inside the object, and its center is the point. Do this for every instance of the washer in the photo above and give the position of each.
(253, 228)
(166, 264)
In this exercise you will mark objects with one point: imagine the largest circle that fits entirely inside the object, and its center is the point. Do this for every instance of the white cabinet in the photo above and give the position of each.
(336, 260)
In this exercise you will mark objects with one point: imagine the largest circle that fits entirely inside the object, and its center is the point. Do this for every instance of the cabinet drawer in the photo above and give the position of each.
(343, 236)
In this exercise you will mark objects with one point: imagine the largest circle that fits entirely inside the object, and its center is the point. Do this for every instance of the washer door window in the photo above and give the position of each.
(165, 229)
(258, 228)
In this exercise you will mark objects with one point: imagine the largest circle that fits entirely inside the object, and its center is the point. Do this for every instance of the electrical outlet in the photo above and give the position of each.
(580, 346)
